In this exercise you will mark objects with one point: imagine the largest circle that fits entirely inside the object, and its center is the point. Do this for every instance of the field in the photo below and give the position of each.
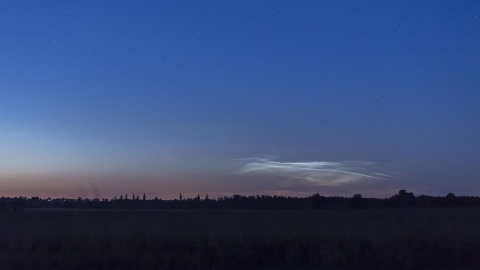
(327, 239)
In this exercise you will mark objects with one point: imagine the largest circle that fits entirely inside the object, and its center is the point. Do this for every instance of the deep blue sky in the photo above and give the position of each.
(165, 97)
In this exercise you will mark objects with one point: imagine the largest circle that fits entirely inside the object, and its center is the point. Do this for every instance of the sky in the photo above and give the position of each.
(102, 98)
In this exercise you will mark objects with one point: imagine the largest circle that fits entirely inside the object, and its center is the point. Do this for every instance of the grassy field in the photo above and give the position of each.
(330, 239)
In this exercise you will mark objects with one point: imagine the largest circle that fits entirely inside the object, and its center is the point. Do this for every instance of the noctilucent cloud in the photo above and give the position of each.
(103, 98)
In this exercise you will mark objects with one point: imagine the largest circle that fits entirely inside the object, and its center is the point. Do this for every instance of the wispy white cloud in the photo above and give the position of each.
(320, 173)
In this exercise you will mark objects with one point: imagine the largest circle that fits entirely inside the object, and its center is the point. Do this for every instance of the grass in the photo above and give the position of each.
(330, 239)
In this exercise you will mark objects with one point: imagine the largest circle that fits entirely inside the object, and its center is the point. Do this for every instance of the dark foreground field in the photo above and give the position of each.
(330, 239)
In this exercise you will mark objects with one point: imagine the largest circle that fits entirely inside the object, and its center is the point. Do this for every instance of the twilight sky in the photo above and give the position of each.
(100, 98)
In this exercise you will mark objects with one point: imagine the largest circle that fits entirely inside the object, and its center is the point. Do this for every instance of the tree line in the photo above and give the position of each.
(402, 199)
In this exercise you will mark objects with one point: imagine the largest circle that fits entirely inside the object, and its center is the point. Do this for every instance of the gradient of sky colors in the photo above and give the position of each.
(100, 98)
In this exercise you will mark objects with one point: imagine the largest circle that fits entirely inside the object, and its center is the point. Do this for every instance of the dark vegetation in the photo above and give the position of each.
(403, 199)
(402, 232)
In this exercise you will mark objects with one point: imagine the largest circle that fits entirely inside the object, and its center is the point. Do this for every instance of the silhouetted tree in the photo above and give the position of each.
(451, 195)
(357, 196)
(318, 201)
(450, 200)
(403, 199)
(356, 201)
(19, 204)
